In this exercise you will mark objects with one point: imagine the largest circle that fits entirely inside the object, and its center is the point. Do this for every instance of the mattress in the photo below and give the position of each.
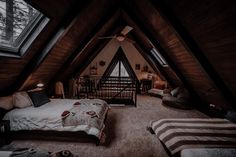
(180, 134)
(48, 117)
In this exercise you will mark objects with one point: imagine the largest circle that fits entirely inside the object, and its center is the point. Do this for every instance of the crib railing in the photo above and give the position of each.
(118, 90)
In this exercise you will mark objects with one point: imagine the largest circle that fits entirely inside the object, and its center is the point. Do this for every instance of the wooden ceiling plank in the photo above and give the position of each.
(142, 46)
(35, 62)
(195, 50)
(152, 38)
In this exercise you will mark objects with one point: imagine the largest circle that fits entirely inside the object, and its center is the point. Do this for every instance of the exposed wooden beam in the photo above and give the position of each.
(152, 38)
(89, 58)
(86, 43)
(86, 60)
(143, 48)
(169, 15)
(157, 67)
(87, 46)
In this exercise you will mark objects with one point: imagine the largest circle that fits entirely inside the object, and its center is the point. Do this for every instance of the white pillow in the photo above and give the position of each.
(21, 100)
(6, 102)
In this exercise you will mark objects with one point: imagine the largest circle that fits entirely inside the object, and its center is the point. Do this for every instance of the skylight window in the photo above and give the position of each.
(20, 23)
(158, 57)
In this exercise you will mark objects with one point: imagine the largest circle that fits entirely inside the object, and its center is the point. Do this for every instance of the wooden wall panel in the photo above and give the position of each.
(179, 53)
(12, 68)
(78, 30)
(212, 25)
(144, 44)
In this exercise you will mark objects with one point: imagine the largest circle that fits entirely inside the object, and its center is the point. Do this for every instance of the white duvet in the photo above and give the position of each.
(48, 117)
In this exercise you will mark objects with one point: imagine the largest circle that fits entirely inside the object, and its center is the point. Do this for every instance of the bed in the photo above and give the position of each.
(84, 116)
(181, 136)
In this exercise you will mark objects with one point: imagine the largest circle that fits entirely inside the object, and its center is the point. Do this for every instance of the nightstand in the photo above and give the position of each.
(4, 132)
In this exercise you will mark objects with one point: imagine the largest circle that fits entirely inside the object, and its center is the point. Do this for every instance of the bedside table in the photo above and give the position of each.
(4, 132)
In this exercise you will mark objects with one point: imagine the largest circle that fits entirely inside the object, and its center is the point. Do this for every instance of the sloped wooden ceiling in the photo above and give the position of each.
(13, 71)
(208, 28)
(153, 27)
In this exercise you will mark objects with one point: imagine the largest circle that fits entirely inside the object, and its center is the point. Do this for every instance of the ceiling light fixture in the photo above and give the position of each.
(40, 85)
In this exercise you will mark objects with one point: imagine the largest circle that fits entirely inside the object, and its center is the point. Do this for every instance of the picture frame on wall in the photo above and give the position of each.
(145, 68)
(137, 66)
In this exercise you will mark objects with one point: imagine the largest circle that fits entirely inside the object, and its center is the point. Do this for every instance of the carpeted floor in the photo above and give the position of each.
(126, 132)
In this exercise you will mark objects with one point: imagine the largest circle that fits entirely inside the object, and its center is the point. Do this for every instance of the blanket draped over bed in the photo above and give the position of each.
(86, 115)
(179, 134)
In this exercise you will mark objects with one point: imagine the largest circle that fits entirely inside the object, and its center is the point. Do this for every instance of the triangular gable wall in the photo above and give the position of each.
(108, 52)
(120, 57)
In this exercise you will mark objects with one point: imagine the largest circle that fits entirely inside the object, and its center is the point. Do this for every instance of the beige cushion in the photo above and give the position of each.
(6, 102)
(21, 100)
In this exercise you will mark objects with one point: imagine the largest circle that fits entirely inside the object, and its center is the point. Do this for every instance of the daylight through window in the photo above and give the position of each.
(119, 70)
(158, 57)
(17, 19)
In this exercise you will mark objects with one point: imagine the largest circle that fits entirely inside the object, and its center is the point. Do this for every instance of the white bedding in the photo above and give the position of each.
(48, 117)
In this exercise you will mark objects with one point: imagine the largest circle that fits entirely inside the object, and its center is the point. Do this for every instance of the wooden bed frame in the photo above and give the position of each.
(78, 136)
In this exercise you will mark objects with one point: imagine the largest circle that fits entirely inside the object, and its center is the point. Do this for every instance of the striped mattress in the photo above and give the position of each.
(179, 134)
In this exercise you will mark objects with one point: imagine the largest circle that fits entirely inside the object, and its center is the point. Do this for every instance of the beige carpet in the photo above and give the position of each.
(126, 132)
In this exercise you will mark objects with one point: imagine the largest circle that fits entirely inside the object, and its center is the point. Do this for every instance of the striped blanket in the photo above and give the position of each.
(179, 134)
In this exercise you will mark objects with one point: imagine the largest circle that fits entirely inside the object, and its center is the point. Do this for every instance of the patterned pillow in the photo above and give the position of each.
(21, 100)
(6, 102)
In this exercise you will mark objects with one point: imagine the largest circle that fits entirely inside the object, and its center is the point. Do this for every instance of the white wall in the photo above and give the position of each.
(108, 52)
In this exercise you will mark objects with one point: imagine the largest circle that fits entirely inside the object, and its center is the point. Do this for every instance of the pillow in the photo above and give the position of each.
(39, 98)
(175, 91)
(6, 102)
(21, 100)
(231, 116)
(2, 112)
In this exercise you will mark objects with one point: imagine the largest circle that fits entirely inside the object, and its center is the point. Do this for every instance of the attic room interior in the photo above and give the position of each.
(118, 78)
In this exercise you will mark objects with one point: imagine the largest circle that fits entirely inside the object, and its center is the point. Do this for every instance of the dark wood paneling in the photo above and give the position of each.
(143, 44)
(12, 69)
(169, 40)
(51, 8)
(215, 33)
(88, 48)
(77, 31)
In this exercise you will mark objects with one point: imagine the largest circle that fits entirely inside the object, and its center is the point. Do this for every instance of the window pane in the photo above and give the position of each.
(16, 17)
(123, 71)
(158, 56)
(115, 71)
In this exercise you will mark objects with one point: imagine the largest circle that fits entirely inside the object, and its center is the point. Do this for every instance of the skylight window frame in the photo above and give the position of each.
(26, 37)
(159, 57)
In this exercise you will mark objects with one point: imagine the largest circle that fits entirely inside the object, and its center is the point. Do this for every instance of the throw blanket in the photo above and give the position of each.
(179, 134)
(87, 112)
